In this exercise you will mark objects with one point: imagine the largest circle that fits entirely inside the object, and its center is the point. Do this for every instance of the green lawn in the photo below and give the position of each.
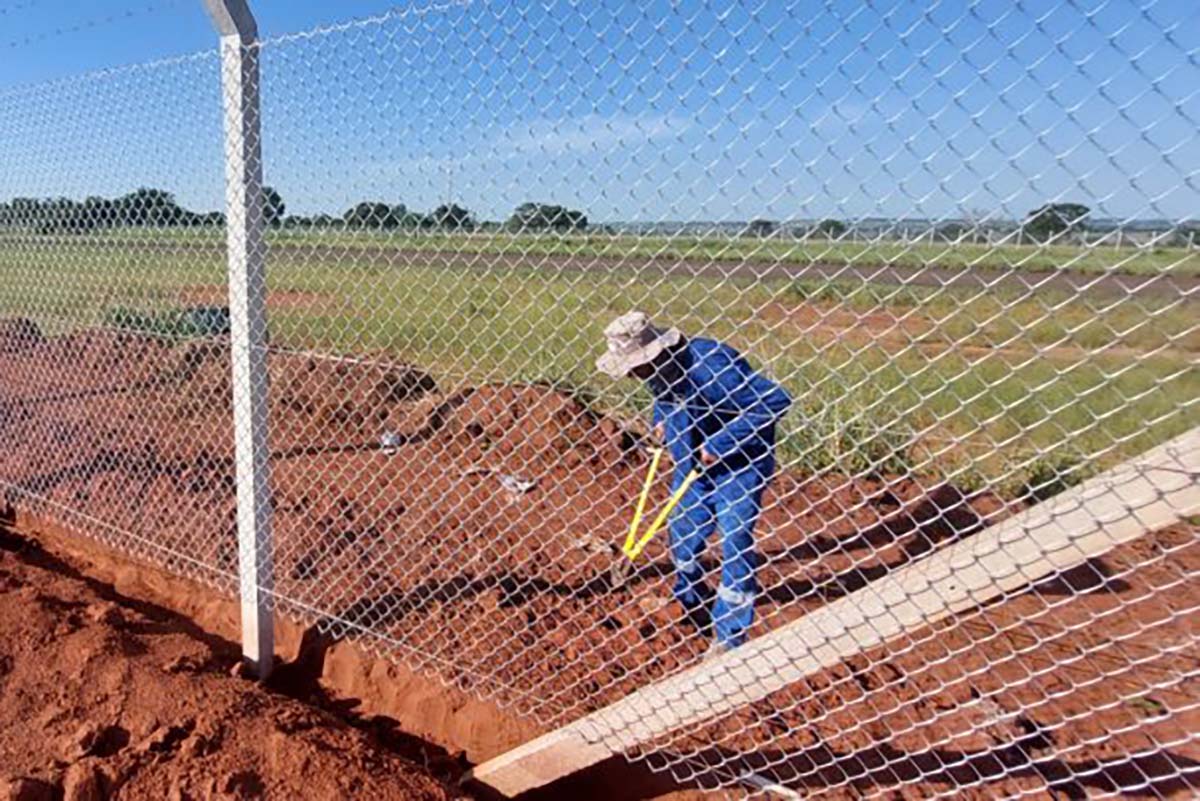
(981, 386)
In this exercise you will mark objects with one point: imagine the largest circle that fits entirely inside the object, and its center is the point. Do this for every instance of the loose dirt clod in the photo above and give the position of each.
(81, 742)
(23, 788)
(84, 782)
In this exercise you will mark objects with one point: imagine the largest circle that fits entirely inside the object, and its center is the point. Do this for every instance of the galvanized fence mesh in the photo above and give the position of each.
(933, 276)
(100, 427)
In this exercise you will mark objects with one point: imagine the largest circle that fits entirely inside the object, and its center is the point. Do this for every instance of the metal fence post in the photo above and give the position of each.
(247, 312)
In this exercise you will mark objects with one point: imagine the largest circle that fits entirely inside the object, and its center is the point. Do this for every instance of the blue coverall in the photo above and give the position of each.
(714, 400)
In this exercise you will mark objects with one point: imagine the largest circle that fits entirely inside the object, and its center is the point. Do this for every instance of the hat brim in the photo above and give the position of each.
(619, 365)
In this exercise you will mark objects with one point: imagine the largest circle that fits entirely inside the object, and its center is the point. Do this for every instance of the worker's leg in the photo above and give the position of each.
(692, 523)
(738, 501)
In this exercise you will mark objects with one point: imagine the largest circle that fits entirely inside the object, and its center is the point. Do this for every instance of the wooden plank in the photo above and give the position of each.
(1119, 505)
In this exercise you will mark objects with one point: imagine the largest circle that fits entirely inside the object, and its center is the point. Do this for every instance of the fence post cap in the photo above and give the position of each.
(233, 18)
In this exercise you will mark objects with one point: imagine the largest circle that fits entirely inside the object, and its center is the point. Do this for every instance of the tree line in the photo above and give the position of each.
(141, 208)
(148, 207)
(1046, 223)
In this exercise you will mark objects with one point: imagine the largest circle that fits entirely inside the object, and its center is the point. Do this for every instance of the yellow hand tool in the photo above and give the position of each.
(634, 546)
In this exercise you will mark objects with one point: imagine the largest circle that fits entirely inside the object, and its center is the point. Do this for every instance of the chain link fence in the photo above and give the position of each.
(933, 272)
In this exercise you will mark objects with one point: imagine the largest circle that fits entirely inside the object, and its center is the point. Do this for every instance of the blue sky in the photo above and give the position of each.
(650, 111)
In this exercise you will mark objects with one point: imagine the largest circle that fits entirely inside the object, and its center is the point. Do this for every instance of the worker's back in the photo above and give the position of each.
(715, 400)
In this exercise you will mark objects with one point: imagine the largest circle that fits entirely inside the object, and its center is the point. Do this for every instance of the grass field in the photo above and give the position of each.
(1091, 260)
(994, 386)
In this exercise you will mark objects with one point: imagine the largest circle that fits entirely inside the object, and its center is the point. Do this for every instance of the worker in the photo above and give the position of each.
(717, 414)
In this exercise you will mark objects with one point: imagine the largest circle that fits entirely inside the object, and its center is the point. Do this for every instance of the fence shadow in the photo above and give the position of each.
(1151, 775)
(884, 767)
(940, 518)
(941, 515)
(514, 590)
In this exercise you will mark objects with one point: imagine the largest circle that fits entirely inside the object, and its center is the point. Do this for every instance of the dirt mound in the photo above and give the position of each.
(352, 396)
(535, 427)
(314, 402)
(199, 381)
(478, 544)
(84, 363)
(100, 691)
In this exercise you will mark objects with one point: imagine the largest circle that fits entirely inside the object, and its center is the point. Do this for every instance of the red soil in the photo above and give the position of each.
(423, 555)
(102, 695)
(1086, 684)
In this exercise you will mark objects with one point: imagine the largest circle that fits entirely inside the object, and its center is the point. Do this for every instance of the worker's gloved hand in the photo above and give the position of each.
(707, 459)
(660, 434)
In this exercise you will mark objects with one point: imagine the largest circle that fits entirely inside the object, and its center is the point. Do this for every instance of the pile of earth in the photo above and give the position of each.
(471, 531)
(104, 696)
(482, 537)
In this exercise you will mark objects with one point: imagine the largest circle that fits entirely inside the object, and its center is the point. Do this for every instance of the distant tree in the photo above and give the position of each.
(324, 221)
(370, 215)
(542, 217)
(189, 219)
(571, 221)
(64, 216)
(761, 228)
(409, 220)
(45, 216)
(146, 206)
(213, 219)
(297, 221)
(273, 206)
(1054, 220)
(1186, 234)
(25, 210)
(102, 211)
(527, 217)
(831, 229)
(451, 216)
